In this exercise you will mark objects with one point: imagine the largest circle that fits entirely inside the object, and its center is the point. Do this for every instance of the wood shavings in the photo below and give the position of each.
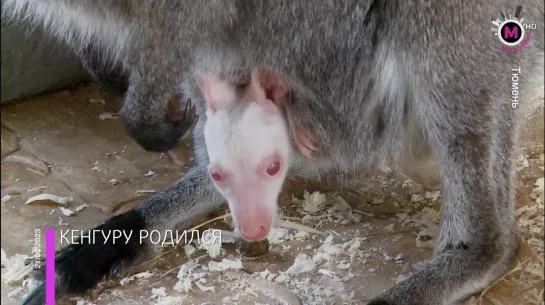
(407, 182)
(400, 278)
(327, 272)
(186, 276)
(301, 264)
(231, 300)
(364, 213)
(204, 288)
(276, 235)
(183, 285)
(281, 278)
(225, 264)
(81, 207)
(16, 270)
(80, 301)
(189, 250)
(157, 293)
(186, 269)
(376, 201)
(66, 212)
(531, 222)
(4, 257)
(427, 221)
(108, 116)
(99, 102)
(416, 198)
(539, 190)
(267, 274)
(399, 259)
(522, 163)
(117, 293)
(211, 244)
(291, 225)
(300, 235)
(390, 227)
(48, 199)
(278, 294)
(62, 222)
(15, 292)
(30, 283)
(310, 293)
(353, 245)
(146, 191)
(342, 206)
(531, 274)
(36, 189)
(326, 250)
(170, 300)
(312, 202)
(433, 196)
(69, 212)
(32, 163)
(137, 277)
(343, 265)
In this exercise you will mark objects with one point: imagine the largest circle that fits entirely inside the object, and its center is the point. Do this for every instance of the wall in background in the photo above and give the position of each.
(34, 63)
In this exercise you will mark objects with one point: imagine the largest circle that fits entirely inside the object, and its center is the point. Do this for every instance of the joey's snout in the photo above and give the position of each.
(254, 232)
(253, 223)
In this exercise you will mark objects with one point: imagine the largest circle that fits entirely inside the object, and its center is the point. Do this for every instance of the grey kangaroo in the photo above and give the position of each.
(323, 89)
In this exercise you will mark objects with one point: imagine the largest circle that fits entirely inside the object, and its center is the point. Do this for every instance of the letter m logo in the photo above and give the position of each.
(512, 32)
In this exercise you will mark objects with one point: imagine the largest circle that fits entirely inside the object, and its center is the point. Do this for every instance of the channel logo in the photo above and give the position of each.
(512, 31)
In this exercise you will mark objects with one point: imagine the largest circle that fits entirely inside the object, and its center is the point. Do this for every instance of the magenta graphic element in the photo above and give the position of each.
(513, 31)
(508, 33)
(519, 47)
(50, 267)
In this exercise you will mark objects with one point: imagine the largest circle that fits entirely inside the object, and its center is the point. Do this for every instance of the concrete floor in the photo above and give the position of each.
(67, 144)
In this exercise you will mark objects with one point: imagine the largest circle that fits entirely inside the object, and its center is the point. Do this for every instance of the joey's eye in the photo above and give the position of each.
(216, 176)
(273, 168)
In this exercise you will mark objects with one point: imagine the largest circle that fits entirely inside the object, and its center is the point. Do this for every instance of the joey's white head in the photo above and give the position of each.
(248, 146)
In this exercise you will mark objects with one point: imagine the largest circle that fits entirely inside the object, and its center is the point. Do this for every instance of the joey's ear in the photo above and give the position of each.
(216, 92)
(267, 89)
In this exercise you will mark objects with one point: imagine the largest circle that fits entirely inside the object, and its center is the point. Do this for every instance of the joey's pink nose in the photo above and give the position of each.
(254, 232)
